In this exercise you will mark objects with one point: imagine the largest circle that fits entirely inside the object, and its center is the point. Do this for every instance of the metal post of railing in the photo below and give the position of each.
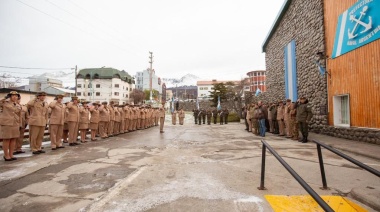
(262, 169)
(322, 167)
(302, 182)
(356, 162)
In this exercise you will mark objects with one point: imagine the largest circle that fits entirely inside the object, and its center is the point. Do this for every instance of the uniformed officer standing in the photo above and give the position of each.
(104, 120)
(10, 113)
(157, 116)
(288, 131)
(226, 113)
(73, 120)
(24, 122)
(181, 116)
(280, 118)
(215, 115)
(84, 120)
(94, 120)
(162, 118)
(117, 120)
(204, 116)
(293, 121)
(174, 117)
(196, 114)
(221, 117)
(200, 114)
(37, 121)
(304, 116)
(65, 135)
(127, 118)
(122, 119)
(209, 115)
(111, 124)
(57, 120)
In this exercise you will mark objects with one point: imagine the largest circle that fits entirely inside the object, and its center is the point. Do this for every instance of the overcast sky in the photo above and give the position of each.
(213, 39)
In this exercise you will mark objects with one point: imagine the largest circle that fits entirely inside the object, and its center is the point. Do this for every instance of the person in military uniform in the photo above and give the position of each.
(10, 115)
(84, 120)
(288, 130)
(204, 116)
(174, 117)
(57, 120)
(122, 119)
(73, 120)
(181, 116)
(94, 120)
(24, 122)
(104, 120)
(215, 115)
(162, 118)
(280, 118)
(38, 108)
(65, 134)
(195, 114)
(117, 120)
(226, 113)
(111, 124)
(208, 115)
(293, 121)
(200, 114)
(303, 117)
(221, 117)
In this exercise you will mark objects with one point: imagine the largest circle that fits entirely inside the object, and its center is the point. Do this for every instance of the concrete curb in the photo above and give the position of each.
(368, 196)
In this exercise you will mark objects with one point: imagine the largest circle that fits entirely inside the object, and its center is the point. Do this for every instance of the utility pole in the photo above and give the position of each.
(76, 81)
(151, 74)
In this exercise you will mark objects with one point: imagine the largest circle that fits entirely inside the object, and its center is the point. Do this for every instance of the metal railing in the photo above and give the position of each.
(309, 190)
(354, 161)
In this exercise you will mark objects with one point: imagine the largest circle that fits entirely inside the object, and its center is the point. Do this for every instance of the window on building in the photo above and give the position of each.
(126, 96)
(90, 85)
(205, 88)
(89, 94)
(127, 89)
(342, 110)
(116, 93)
(79, 94)
(97, 85)
(255, 74)
(97, 93)
(116, 85)
(79, 86)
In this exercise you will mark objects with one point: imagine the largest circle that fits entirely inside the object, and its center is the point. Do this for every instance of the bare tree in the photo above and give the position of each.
(138, 96)
(8, 81)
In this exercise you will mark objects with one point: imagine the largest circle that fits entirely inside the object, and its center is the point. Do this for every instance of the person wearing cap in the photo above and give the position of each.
(162, 118)
(288, 129)
(104, 120)
(111, 124)
(126, 118)
(57, 120)
(122, 119)
(10, 122)
(38, 109)
(293, 121)
(156, 116)
(116, 126)
(24, 122)
(303, 117)
(73, 120)
(181, 116)
(94, 120)
(84, 120)
(280, 118)
(65, 134)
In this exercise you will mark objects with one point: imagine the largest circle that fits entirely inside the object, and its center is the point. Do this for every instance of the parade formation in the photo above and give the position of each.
(66, 119)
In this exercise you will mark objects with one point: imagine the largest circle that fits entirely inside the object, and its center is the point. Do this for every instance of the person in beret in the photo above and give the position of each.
(57, 120)
(10, 124)
(38, 109)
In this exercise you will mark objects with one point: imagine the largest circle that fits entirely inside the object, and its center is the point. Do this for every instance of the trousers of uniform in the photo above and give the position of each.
(204, 119)
(181, 120)
(287, 126)
(138, 122)
(304, 127)
(103, 129)
(162, 121)
(255, 126)
(295, 129)
(196, 119)
(215, 118)
(199, 120)
(271, 126)
(122, 126)
(174, 120)
(208, 120)
(126, 125)
(36, 135)
(281, 127)
(249, 121)
(142, 124)
(73, 131)
(110, 129)
(20, 140)
(221, 120)
(116, 127)
(292, 126)
(56, 132)
(156, 121)
(226, 119)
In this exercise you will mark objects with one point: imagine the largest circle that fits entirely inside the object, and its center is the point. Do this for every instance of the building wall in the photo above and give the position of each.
(303, 23)
(143, 82)
(203, 91)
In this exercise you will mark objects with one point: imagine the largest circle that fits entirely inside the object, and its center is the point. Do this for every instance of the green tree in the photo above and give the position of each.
(219, 89)
(155, 94)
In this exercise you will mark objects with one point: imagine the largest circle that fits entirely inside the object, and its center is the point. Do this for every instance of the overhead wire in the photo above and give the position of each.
(36, 68)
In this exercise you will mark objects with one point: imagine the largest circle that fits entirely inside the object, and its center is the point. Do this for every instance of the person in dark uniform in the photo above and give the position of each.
(209, 115)
(204, 116)
(195, 114)
(226, 113)
(215, 115)
(221, 116)
(303, 118)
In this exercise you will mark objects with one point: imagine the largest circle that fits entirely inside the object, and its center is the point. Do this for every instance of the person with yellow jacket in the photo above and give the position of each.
(73, 120)
(24, 122)
(10, 115)
(84, 120)
(94, 120)
(57, 120)
(38, 109)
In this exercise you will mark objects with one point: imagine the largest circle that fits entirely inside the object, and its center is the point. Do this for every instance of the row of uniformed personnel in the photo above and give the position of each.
(106, 119)
(201, 114)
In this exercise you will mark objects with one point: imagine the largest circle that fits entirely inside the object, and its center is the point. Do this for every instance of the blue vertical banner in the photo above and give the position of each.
(219, 107)
(290, 71)
(357, 26)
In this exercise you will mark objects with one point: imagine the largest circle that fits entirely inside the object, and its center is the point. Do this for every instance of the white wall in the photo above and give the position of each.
(203, 91)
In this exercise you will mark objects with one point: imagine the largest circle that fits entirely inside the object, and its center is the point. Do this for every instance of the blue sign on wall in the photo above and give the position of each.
(357, 26)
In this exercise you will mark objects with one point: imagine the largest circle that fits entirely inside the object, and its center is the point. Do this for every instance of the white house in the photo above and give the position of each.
(105, 84)
(204, 88)
(143, 81)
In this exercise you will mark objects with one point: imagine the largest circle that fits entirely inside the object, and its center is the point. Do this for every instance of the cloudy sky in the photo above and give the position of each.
(219, 39)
